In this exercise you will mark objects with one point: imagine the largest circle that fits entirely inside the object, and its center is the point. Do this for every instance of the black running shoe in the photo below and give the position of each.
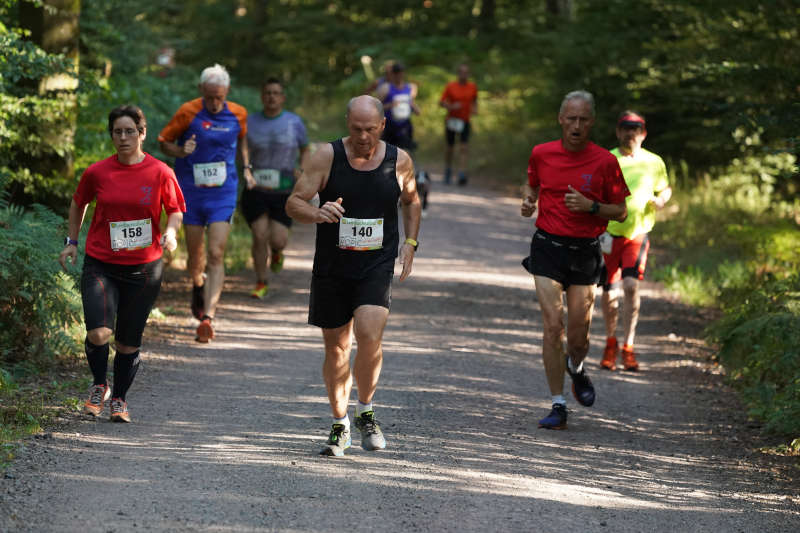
(557, 419)
(371, 434)
(198, 302)
(338, 441)
(582, 387)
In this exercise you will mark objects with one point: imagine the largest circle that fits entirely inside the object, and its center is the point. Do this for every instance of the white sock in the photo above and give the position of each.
(572, 367)
(362, 407)
(559, 398)
(344, 420)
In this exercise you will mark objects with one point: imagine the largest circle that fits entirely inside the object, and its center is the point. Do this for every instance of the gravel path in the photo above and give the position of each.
(225, 436)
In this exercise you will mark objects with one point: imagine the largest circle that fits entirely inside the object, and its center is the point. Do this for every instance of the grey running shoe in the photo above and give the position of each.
(338, 441)
(98, 395)
(119, 411)
(371, 434)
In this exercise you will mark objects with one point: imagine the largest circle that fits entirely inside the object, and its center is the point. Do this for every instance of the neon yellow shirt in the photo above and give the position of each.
(646, 176)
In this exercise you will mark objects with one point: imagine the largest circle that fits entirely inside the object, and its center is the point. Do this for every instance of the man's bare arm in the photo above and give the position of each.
(174, 150)
(530, 197)
(577, 202)
(313, 178)
(244, 157)
(411, 209)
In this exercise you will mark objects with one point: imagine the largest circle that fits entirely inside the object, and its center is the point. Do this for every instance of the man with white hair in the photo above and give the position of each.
(359, 180)
(203, 137)
(578, 187)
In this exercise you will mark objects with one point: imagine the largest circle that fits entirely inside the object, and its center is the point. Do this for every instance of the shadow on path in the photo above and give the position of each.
(225, 435)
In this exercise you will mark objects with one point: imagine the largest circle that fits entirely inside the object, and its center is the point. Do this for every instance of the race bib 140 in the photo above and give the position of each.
(361, 234)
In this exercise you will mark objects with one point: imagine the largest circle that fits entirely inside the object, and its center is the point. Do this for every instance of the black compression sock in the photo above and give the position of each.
(125, 367)
(98, 360)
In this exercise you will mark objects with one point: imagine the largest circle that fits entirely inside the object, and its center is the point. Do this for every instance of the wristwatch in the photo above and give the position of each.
(595, 208)
(68, 241)
(248, 165)
(412, 242)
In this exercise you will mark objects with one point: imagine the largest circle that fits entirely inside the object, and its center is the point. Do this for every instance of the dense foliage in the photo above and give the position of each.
(736, 248)
(33, 123)
(759, 340)
(39, 303)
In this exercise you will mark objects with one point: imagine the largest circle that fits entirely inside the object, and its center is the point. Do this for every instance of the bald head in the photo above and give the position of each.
(365, 107)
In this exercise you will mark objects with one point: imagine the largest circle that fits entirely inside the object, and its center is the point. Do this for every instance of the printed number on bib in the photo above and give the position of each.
(455, 124)
(131, 234)
(267, 178)
(209, 174)
(606, 242)
(401, 109)
(361, 233)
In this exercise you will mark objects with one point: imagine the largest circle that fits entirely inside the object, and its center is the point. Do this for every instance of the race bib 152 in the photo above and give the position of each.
(209, 174)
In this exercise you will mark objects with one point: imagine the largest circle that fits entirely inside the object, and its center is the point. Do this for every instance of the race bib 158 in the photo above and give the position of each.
(131, 234)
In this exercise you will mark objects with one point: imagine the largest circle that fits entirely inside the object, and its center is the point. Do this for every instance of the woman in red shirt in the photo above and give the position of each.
(122, 269)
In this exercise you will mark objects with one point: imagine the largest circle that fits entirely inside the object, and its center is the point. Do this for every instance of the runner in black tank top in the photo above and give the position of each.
(359, 180)
(366, 195)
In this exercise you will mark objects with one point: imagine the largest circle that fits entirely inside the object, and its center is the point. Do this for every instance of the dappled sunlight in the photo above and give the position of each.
(460, 395)
(471, 276)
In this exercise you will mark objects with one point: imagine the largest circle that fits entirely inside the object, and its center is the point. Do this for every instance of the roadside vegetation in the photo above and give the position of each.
(717, 81)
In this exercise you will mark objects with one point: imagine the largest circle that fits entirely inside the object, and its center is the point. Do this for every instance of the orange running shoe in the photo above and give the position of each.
(609, 361)
(260, 291)
(204, 331)
(629, 359)
(119, 411)
(98, 395)
(276, 262)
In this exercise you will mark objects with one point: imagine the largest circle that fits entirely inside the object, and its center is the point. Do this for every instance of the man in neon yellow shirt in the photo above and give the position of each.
(625, 251)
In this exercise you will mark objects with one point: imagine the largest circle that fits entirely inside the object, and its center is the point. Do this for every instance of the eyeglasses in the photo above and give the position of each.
(130, 132)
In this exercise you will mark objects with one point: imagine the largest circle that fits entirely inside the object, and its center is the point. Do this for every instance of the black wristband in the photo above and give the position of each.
(595, 208)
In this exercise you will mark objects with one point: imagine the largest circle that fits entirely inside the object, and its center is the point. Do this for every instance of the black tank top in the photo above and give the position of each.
(366, 194)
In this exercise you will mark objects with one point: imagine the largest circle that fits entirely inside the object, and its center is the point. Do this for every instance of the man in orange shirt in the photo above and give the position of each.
(460, 98)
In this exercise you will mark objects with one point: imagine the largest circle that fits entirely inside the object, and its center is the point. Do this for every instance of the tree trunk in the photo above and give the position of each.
(560, 8)
(487, 21)
(54, 28)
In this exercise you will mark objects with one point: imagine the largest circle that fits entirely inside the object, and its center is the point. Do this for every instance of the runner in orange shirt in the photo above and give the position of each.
(460, 98)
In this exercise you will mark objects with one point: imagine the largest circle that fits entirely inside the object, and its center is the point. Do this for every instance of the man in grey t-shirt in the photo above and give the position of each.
(278, 144)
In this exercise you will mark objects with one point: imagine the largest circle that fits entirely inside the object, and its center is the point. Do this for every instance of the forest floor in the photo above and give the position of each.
(225, 436)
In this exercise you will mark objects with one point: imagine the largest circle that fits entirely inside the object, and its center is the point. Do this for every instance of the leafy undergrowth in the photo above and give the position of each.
(35, 399)
(743, 258)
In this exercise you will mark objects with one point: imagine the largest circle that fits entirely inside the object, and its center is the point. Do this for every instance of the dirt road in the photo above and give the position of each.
(225, 436)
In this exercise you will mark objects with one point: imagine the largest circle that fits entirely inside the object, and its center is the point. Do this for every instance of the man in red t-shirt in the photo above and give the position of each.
(578, 187)
(460, 98)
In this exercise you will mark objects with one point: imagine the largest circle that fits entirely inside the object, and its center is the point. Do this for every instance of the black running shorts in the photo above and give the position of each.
(255, 203)
(119, 297)
(567, 260)
(333, 299)
(401, 136)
